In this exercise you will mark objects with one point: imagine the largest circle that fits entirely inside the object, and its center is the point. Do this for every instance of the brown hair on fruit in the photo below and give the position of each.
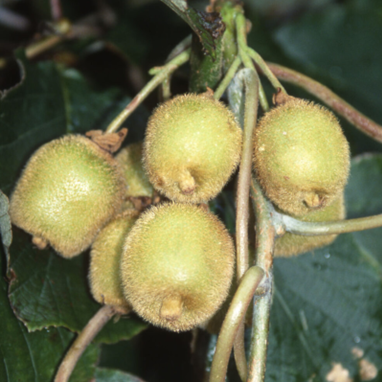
(69, 189)
(105, 256)
(290, 244)
(301, 157)
(177, 266)
(192, 146)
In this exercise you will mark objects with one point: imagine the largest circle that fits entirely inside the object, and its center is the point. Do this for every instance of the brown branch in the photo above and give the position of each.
(251, 82)
(265, 237)
(331, 99)
(80, 344)
(56, 9)
(298, 227)
(160, 74)
(234, 317)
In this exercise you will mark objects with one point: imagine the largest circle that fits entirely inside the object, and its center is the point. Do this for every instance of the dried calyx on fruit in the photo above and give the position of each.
(301, 156)
(68, 191)
(192, 146)
(177, 266)
(105, 256)
(290, 244)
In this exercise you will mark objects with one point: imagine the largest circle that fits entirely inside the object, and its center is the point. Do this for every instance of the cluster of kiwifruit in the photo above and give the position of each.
(173, 263)
(302, 160)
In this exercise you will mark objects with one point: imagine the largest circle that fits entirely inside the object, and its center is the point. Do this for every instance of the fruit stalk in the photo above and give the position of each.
(232, 321)
(259, 61)
(299, 227)
(360, 121)
(160, 75)
(241, 32)
(227, 78)
(166, 88)
(181, 47)
(92, 328)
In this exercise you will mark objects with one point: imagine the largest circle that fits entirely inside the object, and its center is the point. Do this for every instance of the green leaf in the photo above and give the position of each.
(207, 26)
(48, 290)
(45, 289)
(327, 304)
(110, 375)
(337, 46)
(364, 185)
(5, 225)
(35, 357)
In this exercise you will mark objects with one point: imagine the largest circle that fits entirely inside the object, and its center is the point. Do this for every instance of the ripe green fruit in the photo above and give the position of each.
(130, 160)
(140, 193)
(177, 266)
(301, 157)
(105, 256)
(68, 191)
(192, 146)
(290, 244)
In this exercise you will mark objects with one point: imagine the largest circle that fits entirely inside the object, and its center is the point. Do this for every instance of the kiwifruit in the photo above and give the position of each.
(301, 156)
(290, 244)
(130, 161)
(177, 265)
(105, 256)
(192, 146)
(68, 191)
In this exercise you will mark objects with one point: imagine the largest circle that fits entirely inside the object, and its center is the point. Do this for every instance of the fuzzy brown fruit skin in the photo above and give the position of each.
(177, 266)
(290, 244)
(68, 191)
(192, 146)
(105, 256)
(130, 160)
(301, 157)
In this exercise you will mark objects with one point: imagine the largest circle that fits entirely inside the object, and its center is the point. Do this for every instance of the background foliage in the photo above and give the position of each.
(327, 304)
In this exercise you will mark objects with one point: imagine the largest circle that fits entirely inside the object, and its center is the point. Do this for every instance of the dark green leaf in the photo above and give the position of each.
(13, 66)
(178, 6)
(127, 38)
(364, 186)
(110, 375)
(338, 46)
(48, 290)
(122, 355)
(35, 357)
(207, 26)
(5, 225)
(327, 304)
